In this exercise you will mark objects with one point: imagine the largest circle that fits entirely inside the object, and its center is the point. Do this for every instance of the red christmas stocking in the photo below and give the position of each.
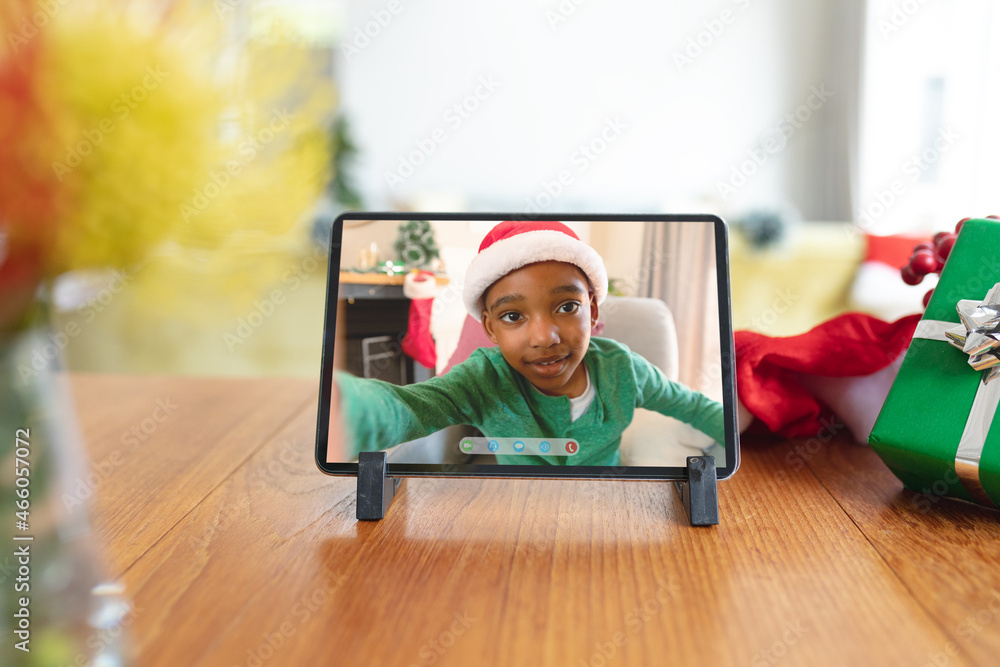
(418, 343)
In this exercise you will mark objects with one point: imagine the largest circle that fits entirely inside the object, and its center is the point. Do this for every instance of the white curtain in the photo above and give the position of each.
(678, 267)
(928, 132)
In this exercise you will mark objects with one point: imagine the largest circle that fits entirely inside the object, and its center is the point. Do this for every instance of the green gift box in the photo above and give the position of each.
(938, 430)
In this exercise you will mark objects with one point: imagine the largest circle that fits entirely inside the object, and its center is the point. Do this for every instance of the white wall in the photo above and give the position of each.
(684, 127)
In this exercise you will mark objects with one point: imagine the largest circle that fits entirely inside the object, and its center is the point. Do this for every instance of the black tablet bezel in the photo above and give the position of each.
(532, 471)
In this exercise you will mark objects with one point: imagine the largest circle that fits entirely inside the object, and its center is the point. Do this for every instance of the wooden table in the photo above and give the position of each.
(236, 550)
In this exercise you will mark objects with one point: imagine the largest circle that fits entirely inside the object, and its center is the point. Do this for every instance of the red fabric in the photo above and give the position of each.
(418, 342)
(892, 250)
(850, 345)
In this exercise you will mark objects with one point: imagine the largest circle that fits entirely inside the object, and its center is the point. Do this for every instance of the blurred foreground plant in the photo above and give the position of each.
(150, 137)
(138, 129)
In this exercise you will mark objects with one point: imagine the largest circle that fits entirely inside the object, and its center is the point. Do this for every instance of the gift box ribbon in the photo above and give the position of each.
(978, 336)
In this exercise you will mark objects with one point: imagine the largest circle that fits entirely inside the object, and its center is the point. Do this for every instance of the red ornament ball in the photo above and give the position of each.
(923, 262)
(910, 277)
(943, 248)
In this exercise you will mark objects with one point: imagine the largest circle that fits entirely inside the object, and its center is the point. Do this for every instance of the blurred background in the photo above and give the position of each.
(830, 135)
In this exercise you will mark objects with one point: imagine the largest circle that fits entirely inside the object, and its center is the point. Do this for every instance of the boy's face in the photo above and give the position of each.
(541, 316)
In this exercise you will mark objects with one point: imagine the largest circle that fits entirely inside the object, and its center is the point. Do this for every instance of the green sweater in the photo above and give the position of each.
(485, 392)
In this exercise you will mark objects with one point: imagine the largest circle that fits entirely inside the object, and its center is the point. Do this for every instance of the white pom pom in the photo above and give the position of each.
(419, 285)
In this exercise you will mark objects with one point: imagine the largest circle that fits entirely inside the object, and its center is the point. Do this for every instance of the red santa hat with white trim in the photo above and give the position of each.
(513, 244)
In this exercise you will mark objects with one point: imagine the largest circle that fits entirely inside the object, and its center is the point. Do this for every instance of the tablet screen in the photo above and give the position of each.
(499, 345)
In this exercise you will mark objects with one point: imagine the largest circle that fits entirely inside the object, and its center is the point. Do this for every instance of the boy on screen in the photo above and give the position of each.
(536, 288)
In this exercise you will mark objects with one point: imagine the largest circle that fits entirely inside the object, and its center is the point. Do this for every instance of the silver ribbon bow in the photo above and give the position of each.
(978, 336)
(979, 333)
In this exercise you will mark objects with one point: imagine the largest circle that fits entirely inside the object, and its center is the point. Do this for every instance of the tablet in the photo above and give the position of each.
(505, 345)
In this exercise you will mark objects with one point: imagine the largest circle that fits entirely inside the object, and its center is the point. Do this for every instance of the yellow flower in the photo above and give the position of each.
(177, 140)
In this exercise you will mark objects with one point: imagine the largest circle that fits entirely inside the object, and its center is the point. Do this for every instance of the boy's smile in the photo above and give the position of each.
(540, 316)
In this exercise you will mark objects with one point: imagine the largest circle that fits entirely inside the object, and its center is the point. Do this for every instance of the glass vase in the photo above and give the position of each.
(54, 608)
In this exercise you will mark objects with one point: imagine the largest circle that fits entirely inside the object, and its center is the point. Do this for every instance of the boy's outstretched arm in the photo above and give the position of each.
(656, 392)
(376, 415)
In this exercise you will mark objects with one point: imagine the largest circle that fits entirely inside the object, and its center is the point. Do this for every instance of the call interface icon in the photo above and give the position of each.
(518, 446)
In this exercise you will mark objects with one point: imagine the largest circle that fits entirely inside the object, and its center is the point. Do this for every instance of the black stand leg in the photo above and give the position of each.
(700, 493)
(375, 489)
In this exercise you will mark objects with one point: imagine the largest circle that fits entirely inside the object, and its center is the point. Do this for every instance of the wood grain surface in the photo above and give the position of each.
(236, 550)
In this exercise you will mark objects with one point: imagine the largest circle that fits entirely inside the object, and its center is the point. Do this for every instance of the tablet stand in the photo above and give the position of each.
(700, 492)
(375, 488)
